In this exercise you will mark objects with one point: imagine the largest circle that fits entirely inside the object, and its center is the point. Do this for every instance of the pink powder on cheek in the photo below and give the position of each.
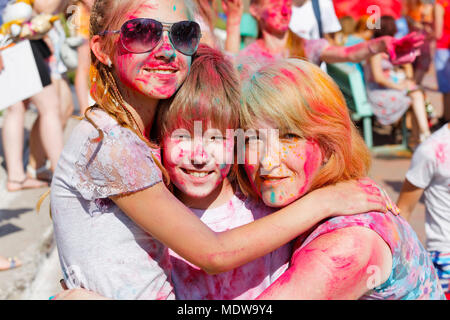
(313, 159)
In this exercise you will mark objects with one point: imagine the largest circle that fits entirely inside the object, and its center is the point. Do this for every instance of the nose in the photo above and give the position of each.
(270, 160)
(199, 155)
(285, 10)
(165, 49)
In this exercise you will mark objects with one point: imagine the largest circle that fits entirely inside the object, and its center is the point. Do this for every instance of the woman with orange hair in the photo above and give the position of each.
(366, 256)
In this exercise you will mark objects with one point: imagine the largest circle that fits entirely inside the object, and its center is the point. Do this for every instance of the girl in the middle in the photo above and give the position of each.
(199, 164)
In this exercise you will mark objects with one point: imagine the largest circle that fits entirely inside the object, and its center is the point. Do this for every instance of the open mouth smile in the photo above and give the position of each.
(197, 174)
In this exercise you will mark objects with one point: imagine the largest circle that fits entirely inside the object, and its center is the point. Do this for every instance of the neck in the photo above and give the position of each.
(141, 107)
(275, 43)
(221, 195)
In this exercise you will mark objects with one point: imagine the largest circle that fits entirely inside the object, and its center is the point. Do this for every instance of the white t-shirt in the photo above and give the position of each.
(244, 283)
(430, 170)
(304, 23)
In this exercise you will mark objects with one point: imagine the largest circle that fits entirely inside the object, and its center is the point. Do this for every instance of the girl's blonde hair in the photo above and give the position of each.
(296, 96)
(109, 15)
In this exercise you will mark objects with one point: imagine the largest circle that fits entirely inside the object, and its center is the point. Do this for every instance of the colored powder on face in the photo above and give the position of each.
(174, 8)
(272, 197)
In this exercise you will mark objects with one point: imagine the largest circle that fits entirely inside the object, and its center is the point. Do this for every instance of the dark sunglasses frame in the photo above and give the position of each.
(164, 27)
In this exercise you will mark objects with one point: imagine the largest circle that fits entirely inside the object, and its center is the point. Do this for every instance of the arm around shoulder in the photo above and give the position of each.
(160, 213)
(341, 264)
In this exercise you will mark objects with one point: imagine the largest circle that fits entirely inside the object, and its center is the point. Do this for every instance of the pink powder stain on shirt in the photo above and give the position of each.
(289, 74)
(440, 153)
(313, 160)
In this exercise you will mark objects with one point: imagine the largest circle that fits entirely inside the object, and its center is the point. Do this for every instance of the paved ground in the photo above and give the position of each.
(28, 235)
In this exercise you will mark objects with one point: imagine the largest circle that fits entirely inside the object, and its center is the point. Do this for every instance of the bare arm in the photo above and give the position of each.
(409, 70)
(178, 228)
(408, 198)
(82, 77)
(356, 53)
(438, 21)
(379, 77)
(342, 264)
(234, 10)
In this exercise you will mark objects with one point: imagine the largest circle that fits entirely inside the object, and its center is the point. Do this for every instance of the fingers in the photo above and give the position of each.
(378, 197)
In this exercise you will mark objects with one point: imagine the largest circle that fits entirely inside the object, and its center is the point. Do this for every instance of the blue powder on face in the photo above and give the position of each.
(272, 197)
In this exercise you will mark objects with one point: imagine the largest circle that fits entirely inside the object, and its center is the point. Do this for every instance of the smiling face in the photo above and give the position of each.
(285, 167)
(273, 15)
(197, 165)
(159, 73)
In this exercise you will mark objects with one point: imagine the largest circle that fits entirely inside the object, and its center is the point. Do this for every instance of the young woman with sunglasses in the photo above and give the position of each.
(113, 216)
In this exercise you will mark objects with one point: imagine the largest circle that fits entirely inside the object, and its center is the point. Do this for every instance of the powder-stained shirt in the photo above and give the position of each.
(246, 282)
(413, 275)
(430, 170)
(100, 247)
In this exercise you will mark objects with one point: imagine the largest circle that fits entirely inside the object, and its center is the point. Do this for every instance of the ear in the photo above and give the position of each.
(97, 47)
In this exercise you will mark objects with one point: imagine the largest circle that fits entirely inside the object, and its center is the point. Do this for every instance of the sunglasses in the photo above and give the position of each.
(143, 35)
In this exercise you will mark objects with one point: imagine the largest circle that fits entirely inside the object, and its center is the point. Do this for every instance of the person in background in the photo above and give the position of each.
(348, 25)
(84, 60)
(420, 19)
(442, 55)
(228, 40)
(305, 24)
(277, 41)
(392, 90)
(37, 161)
(429, 175)
(318, 146)
(49, 128)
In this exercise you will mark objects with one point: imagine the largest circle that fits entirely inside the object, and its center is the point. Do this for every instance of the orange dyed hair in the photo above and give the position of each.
(298, 97)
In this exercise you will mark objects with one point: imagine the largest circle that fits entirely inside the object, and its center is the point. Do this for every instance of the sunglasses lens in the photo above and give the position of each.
(141, 35)
(185, 36)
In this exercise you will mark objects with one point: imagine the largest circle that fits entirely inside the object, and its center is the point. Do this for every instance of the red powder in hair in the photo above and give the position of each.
(288, 74)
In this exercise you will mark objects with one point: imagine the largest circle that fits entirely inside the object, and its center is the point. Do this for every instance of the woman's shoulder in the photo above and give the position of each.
(386, 226)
